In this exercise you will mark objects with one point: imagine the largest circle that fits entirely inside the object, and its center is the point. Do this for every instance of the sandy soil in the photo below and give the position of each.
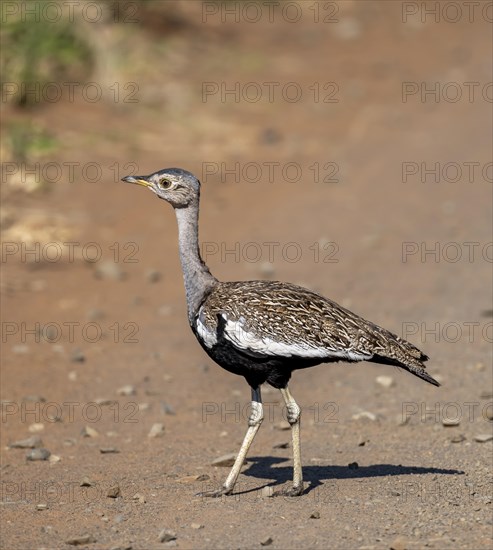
(96, 350)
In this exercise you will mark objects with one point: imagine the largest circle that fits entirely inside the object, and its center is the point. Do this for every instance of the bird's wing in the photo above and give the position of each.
(241, 335)
(278, 319)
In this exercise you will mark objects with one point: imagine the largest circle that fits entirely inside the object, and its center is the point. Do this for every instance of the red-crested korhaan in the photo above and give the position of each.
(263, 330)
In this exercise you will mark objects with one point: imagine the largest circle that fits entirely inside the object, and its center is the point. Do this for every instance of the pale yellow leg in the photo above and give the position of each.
(294, 414)
(254, 421)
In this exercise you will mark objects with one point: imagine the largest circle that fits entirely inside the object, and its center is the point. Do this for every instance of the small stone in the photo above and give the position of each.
(363, 441)
(196, 526)
(385, 381)
(192, 479)
(72, 376)
(267, 270)
(267, 492)
(41, 507)
(399, 544)
(140, 498)
(87, 431)
(95, 314)
(483, 438)
(450, 422)
(109, 270)
(153, 276)
(402, 420)
(114, 491)
(267, 541)
(108, 450)
(365, 415)
(347, 28)
(29, 443)
(103, 402)
(395, 493)
(79, 541)
(282, 425)
(458, 438)
(224, 461)
(54, 459)
(35, 399)
(38, 285)
(166, 535)
(270, 136)
(203, 477)
(157, 430)
(77, 356)
(86, 482)
(127, 390)
(20, 349)
(38, 454)
(284, 445)
(315, 515)
(353, 466)
(167, 408)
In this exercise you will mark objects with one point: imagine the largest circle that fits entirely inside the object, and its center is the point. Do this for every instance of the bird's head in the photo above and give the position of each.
(176, 186)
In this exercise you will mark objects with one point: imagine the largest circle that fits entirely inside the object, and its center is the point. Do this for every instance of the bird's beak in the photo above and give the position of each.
(139, 180)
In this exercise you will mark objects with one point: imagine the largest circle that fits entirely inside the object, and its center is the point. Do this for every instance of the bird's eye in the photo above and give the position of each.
(164, 184)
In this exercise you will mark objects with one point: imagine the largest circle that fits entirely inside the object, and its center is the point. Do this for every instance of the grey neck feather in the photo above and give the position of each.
(196, 275)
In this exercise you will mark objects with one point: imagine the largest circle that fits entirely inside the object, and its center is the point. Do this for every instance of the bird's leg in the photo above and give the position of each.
(294, 414)
(254, 421)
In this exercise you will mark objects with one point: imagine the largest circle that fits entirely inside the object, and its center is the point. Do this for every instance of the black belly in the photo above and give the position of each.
(257, 368)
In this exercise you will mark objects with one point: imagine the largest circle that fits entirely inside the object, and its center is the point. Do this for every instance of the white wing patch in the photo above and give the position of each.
(208, 336)
(235, 332)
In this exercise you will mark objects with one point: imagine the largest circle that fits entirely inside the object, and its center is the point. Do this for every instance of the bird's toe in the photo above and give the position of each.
(214, 494)
(289, 492)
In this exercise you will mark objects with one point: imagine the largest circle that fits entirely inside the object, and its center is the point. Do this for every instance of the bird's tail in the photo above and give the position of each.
(411, 364)
(394, 350)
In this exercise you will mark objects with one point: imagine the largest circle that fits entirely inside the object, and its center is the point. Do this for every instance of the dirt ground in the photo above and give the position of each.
(368, 188)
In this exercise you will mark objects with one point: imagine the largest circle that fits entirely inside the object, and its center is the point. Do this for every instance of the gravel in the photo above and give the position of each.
(166, 535)
(225, 461)
(29, 443)
(38, 454)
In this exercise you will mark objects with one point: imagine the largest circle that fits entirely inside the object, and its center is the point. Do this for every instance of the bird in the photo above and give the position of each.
(264, 330)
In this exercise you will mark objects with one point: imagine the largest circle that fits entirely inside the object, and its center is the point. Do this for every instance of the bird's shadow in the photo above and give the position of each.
(265, 468)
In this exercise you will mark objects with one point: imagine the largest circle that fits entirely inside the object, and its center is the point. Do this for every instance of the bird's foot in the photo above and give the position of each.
(215, 494)
(289, 492)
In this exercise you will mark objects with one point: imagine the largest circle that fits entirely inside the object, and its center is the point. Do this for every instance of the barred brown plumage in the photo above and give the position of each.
(285, 313)
(263, 330)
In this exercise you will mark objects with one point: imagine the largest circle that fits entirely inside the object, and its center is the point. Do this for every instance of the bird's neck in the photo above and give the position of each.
(196, 275)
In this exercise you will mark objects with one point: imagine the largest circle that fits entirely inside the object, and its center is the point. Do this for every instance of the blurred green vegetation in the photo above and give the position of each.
(28, 141)
(36, 51)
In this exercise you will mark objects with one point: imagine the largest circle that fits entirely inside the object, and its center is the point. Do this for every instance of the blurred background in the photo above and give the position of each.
(345, 146)
(358, 131)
